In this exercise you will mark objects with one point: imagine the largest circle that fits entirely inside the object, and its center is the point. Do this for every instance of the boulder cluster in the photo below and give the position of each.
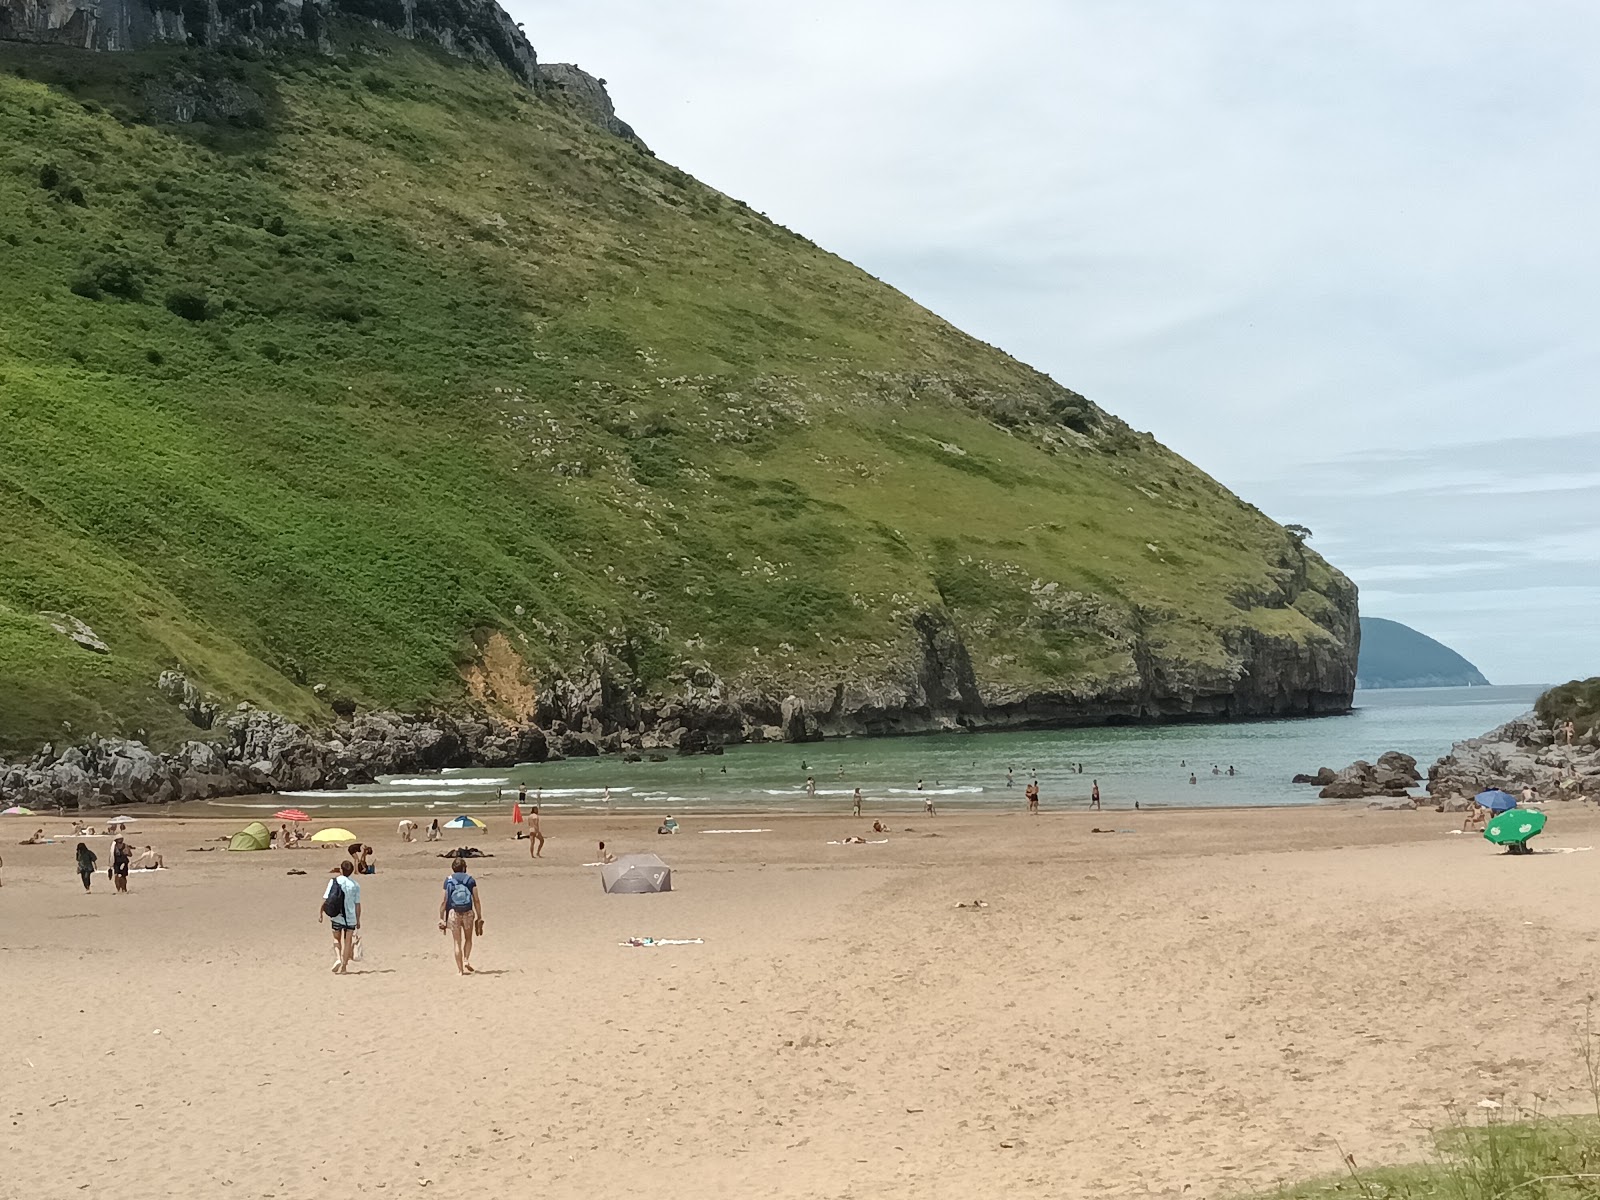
(258, 751)
(1521, 755)
(1557, 764)
(1393, 775)
(249, 750)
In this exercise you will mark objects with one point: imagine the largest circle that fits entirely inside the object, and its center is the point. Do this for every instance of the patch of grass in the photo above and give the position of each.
(1544, 1158)
(414, 354)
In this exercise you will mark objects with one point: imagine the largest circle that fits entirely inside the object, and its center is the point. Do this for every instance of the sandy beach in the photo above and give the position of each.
(1196, 1004)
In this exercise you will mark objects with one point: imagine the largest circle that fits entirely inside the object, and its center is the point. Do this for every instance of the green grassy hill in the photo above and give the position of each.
(399, 356)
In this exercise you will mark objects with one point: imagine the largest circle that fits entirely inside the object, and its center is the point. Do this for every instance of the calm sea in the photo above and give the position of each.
(1151, 764)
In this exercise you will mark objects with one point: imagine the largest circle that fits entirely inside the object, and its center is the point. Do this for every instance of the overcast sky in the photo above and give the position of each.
(1342, 256)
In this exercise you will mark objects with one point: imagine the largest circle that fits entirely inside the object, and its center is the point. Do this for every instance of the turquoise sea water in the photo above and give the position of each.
(1150, 764)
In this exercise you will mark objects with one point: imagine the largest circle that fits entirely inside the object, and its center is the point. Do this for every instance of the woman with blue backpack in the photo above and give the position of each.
(461, 913)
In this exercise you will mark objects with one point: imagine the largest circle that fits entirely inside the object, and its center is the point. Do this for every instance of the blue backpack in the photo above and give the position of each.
(458, 894)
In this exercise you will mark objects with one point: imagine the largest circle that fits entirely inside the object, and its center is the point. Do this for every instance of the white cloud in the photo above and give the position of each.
(1277, 234)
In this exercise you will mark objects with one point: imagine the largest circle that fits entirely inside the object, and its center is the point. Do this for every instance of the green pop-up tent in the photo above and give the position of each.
(253, 836)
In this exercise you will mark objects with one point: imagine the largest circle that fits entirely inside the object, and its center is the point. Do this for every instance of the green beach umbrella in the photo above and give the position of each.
(1514, 826)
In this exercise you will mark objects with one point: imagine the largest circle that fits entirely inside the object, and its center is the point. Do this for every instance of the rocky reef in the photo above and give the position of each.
(1528, 752)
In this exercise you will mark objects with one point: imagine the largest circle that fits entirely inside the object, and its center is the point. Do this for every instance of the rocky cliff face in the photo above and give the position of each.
(589, 96)
(600, 708)
(476, 29)
(1559, 764)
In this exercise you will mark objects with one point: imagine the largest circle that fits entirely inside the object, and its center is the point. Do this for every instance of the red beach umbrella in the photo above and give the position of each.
(290, 814)
(516, 813)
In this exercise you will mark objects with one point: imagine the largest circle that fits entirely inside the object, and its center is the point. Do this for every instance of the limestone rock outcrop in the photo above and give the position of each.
(475, 29)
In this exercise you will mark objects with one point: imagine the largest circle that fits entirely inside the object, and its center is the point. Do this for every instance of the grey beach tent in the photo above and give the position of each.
(636, 873)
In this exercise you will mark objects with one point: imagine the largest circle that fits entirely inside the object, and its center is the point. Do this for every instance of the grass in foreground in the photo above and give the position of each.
(1532, 1158)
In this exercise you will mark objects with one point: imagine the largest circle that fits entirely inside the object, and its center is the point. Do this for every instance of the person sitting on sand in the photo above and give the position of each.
(1477, 818)
(668, 826)
(433, 830)
(605, 855)
(148, 860)
(86, 861)
(879, 827)
(36, 840)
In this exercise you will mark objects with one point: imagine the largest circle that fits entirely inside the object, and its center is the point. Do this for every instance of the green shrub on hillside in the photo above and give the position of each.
(1577, 701)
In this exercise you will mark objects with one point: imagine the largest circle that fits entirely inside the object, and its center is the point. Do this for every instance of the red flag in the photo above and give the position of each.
(516, 813)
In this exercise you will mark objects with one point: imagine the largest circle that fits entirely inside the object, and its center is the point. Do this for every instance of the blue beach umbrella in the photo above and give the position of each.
(1495, 800)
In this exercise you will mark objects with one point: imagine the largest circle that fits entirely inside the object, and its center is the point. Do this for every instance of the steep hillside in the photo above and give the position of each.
(380, 378)
(1397, 656)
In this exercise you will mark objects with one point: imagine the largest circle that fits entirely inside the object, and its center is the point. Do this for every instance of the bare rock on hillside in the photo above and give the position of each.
(69, 626)
(589, 96)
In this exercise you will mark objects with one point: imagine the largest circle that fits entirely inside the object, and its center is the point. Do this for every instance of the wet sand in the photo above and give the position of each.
(1206, 1001)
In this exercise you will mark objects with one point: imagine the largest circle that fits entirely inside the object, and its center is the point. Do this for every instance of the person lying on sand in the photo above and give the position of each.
(465, 852)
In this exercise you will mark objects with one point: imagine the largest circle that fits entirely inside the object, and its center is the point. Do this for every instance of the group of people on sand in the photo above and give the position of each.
(408, 830)
(123, 861)
(460, 909)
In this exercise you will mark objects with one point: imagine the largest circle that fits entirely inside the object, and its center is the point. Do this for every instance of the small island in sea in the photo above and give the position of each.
(1396, 656)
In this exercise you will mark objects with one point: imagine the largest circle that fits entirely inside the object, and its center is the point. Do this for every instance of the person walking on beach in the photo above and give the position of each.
(857, 801)
(86, 863)
(1008, 776)
(341, 904)
(811, 785)
(535, 834)
(461, 913)
(121, 861)
(1094, 795)
(927, 806)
